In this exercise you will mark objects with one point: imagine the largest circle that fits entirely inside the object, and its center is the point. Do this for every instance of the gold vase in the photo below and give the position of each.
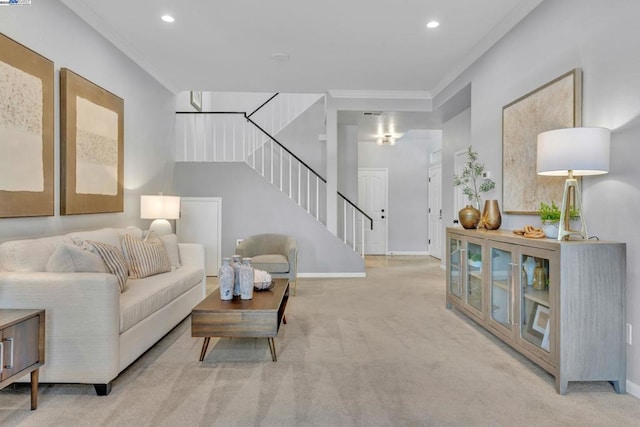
(469, 217)
(491, 218)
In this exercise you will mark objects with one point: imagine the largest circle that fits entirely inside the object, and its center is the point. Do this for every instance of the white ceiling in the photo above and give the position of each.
(367, 45)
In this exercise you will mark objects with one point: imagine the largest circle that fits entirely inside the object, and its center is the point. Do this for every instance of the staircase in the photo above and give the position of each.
(250, 138)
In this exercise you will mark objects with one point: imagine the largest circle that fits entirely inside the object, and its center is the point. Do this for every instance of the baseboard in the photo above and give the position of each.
(331, 275)
(633, 389)
(408, 253)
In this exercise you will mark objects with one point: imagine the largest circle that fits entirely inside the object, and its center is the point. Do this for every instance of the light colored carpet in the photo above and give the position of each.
(380, 351)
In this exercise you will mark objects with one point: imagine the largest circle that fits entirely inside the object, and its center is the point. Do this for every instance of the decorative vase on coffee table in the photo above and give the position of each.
(469, 217)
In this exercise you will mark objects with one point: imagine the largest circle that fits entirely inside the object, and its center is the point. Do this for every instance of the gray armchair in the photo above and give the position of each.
(276, 254)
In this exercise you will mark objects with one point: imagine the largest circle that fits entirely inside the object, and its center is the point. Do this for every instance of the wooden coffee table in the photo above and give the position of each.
(258, 317)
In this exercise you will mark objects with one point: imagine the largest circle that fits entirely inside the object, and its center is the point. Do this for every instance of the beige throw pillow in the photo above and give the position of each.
(170, 242)
(68, 258)
(146, 257)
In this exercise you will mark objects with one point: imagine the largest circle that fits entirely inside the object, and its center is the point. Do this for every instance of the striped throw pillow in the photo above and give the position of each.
(112, 257)
(146, 257)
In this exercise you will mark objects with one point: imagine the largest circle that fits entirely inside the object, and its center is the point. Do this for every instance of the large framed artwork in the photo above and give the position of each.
(26, 132)
(555, 105)
(91, 147)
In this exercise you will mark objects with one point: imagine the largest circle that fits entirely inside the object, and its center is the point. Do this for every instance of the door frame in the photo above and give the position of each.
(431, 212)
(386, 196)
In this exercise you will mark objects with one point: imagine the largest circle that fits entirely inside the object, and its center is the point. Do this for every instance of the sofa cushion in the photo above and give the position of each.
(272, 263)
(146, 257)
(146, 296)
(112, 258)
(29, 255)
(170, 242)
(69, 258)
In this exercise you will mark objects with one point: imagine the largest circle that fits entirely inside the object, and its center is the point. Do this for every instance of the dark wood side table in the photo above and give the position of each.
(21, 347)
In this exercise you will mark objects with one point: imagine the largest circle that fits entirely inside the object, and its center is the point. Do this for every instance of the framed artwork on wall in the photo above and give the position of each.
(26, 132)
(555, 105)
(91, 147)
(196, 100)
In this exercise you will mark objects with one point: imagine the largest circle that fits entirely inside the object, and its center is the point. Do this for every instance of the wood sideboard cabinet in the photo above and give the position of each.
(559, 303)
(21, 347)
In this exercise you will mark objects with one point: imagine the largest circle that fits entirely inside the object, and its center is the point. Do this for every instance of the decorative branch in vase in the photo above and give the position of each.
(473, 184)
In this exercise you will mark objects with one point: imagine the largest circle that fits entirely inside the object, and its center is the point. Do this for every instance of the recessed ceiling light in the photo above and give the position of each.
(167, 18)
(433, 24)
(280, 57)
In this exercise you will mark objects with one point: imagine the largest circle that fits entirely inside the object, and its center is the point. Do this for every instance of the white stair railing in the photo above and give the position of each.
(241, 137)
(352, 223)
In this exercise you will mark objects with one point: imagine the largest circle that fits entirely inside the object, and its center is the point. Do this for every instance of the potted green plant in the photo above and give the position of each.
(473, 184)
(550, 217)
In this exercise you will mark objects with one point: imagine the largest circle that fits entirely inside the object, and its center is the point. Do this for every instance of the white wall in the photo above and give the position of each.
(603, 39)
(52, 30)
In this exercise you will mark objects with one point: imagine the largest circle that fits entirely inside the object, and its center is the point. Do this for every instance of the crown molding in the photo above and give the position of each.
(380, 94)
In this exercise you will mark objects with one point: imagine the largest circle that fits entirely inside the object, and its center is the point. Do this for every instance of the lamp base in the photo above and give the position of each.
(571, 189)
(161, 227)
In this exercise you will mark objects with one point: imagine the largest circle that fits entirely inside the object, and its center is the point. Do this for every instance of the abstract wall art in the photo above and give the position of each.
(554, 105)
(91, 147)
(26, 132)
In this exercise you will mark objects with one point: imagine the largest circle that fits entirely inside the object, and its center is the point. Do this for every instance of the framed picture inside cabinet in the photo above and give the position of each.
(555, 105)
(91, 147)
(539, 321)
(26, 132)
(196, 100)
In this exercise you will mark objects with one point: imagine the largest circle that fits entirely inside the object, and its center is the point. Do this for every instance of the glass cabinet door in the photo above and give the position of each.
(535, 307)
(501, 287)
(473, 292)
(455, 267)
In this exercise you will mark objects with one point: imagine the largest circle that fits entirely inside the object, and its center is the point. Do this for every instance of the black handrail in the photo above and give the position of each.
(357, 208)
(263, 104)
(286, 149)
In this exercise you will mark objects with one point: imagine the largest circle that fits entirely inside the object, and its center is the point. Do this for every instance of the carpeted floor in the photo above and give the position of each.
(380, 351)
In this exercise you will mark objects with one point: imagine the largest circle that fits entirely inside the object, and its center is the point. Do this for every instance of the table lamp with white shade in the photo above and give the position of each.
(573, 152)
(161, 209)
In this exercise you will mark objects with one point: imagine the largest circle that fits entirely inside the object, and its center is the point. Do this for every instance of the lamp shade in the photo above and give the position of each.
(584, 151)
(159, 207)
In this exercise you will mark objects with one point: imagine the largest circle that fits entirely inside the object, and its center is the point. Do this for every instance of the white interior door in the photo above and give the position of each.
(372, 198)
(435, 212)
(200, 222)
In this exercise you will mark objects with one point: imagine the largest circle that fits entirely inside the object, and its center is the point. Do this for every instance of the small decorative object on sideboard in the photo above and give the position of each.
(469, 217)
(474, 181)
(491, 218)
(550, 217)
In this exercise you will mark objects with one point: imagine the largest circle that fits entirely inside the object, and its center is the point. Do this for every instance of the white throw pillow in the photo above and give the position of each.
(68, 258)
(170, 242)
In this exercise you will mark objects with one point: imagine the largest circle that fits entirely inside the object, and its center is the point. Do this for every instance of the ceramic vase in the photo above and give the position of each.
(469, 217)
(551, 229)
(529, 266)
(491, 218)
(225, 280)
(246, 279)
(236, 263)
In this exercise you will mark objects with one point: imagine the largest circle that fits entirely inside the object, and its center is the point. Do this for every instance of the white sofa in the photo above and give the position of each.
(94, 331)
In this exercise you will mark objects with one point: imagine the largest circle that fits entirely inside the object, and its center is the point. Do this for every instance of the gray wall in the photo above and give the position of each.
(456, 135)
(603, 39)
(408, 172)
(53, 31)
(250, 205)
(348, 161)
